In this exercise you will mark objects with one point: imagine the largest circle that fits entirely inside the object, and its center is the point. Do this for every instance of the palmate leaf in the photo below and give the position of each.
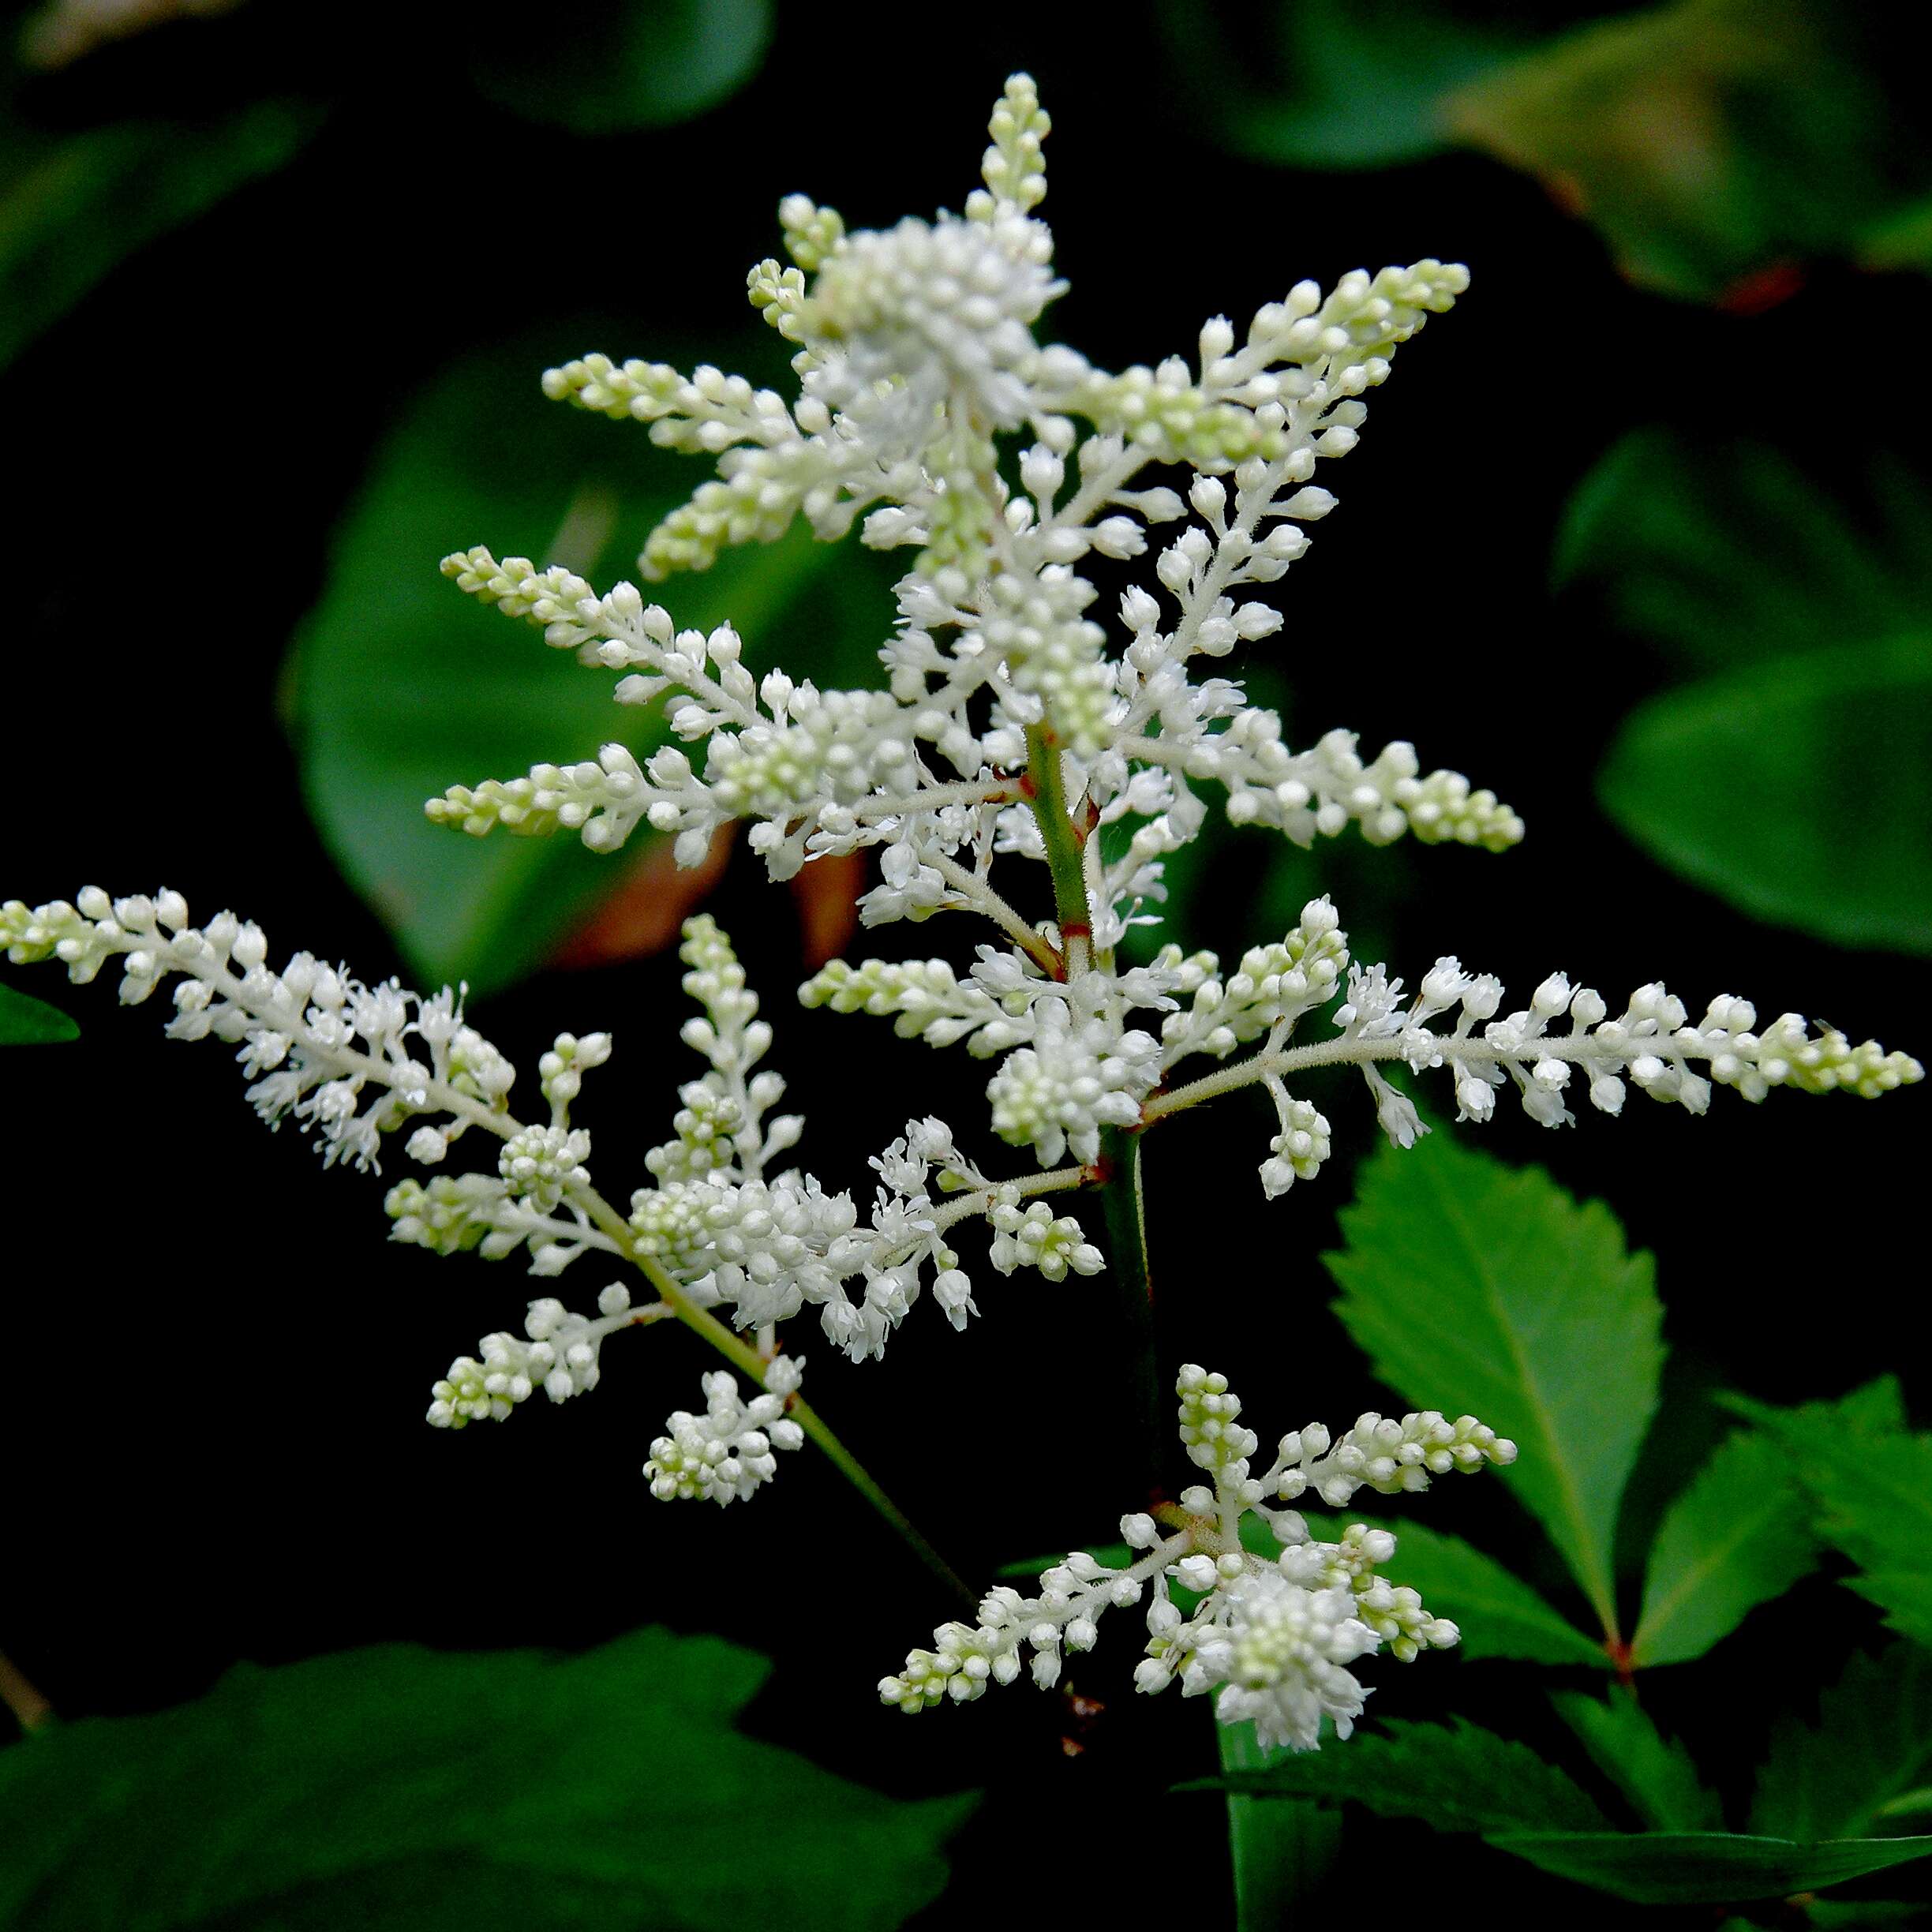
(1475, 1286)
(1656, 1774)
(1735, 1538)
(400, 685)
(1736, 783)
(399, 1786)
(1459, 1777)
(1498, 1614)
(25, 1021)
(1867, 1759)
(1705, 1868)
(1872, 1492)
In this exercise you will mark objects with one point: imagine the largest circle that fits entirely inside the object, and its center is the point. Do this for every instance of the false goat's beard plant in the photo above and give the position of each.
(1010, 734)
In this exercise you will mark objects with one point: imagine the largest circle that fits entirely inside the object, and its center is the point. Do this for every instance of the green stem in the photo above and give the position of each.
(1131, 1281)
(1046, 788)
(747, 1360)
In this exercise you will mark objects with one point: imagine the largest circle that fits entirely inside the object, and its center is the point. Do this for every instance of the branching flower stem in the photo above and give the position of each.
(1353, 1051)
(746, 1358)
(1119, 1175)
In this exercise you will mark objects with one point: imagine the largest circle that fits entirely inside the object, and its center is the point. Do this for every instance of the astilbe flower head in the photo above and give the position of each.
(1022, 724)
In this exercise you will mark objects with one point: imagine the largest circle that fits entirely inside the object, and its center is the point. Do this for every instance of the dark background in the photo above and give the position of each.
(212, 1432)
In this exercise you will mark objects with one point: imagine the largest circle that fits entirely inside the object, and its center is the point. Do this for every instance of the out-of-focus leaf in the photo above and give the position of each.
(1867, 1759)
(1705, 139)
(73, 205)
(1705, 1868)
(1460, 1777)
(398, 1786)
(601, 66)
(1872, 1491)
(1721, 554)
(401, 686)
(1902, 239)
(1800, 791)
(1656, 1775)
(1499, 1615)
(1489, 1288)
(1109, 1556)
(1330, 84)
(1734, 1539)
(25, 1021)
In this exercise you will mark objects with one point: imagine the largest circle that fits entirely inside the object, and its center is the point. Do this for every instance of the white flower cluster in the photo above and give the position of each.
(560, 1356)
(1273, 1638)
(916, 345)
(346, 1061)
(726, 1453)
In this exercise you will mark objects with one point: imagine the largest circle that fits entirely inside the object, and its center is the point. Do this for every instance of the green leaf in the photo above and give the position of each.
(1868, 1758)
(1657, 1776)
(401, 686)
(1721, 553)
(1709, 140)
(1734, 1539)
(73, 205)
(1346, 83)
(1109, 1556)
(1498, 1614)
(1475, 1286)
(1800, 791)
(1460, 1777)
(1873, 1494)
(513, 1789)
(1704, 1868)
(603, 66)
(27, 1022)
(1282, 1849)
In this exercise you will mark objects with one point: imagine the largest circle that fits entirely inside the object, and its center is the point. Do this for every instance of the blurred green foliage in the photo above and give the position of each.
(401, 686)
(1707, 140)
(401, 1786)
(1797, 781)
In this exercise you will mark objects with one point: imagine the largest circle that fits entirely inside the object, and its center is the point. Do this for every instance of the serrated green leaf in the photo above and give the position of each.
(1727, 553)
(655, 62)
(1736, 1537)
(1460, 1777)
(400, 1786)
(1872, 1492)
(1657, 1775)
(73, 205)
(1499, 1615)
(1704, 1868)
(1870, 1748)
(1724, 781)
(25, 1021)
(401, 686)
(1475, 1286)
